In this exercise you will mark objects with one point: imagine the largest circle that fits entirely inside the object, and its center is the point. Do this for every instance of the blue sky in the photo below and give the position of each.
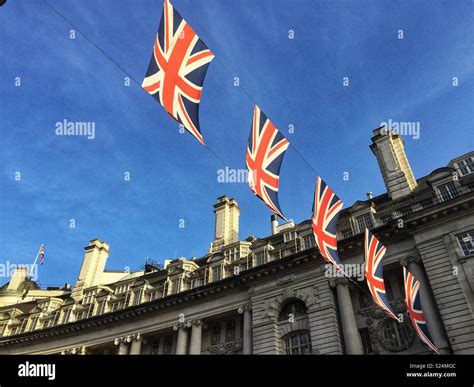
(296, 82)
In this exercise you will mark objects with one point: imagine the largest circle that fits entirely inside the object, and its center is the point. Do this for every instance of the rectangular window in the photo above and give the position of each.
(230, 331)
(216, 273)
(67, 315)
(260, 258)
(364, 221)
(466, 242)
(366, 341)
(347, 233)
(216, 334)
(465, 166)
(138, 296)
(448, 191)
(101, 307)
(24, 323)
(34, 323)
(308, 242)
(289, 236)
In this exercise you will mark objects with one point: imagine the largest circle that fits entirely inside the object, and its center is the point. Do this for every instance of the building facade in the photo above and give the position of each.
(274, 295)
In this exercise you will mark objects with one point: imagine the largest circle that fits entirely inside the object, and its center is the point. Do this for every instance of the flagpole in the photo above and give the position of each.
(34, 263)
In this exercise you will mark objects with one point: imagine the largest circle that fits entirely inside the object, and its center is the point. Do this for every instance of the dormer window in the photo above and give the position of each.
(465, 166)
(448, 191)
(216, 273)
(364, 221)
(466, 242)
(289, 236)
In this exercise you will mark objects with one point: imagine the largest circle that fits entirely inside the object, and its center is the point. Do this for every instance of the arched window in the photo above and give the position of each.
(396, 335)
(293, 321)
(292, 310)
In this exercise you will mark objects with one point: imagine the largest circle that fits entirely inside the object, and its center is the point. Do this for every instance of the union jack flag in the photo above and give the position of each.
(177, 69)
(374, 254)
(326, 208)
(41, 254)
(412, 294)
(264, 157)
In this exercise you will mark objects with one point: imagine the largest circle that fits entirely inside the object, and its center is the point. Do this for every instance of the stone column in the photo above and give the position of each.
(196, 335)
(352, 340)
(123, 346)
(246, 310)
(136, 346)
(428, 304)
(182, 344)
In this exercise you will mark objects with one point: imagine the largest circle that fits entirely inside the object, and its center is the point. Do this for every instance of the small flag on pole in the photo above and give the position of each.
(41, 254)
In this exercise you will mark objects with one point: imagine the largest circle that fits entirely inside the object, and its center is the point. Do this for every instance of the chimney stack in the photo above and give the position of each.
(92, 267)
(274, 220)
(388, 147)
(226, 228)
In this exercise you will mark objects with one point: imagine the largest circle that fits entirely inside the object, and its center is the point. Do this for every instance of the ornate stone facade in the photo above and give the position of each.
(273, 295)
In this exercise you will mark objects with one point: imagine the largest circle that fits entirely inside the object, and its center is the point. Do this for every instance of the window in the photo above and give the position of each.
(308, 242)
(56, 318)
(347, 233)
(122, 288)
(138, 296)
(2, 329)
(34, 322)
(298, 343)
(364, 221)
(67, 315)
(216, 273)
(230, 331)
(292, 310)
(23, 326)
(216, 334)
(289, 236)
(466, 242)
(366, 341)
(465, 166)
(259, 258)
(448, 191)
(116, 306)
(395, 334)
(88, 298)
(100, 307)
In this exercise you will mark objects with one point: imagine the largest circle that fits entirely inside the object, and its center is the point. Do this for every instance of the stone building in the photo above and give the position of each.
(273, 295)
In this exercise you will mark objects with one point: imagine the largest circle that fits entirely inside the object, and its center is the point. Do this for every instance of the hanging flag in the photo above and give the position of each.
(177, 70)
(326, 208)
(374, 254)
(413, 301)
(265, 153)
(41, 254)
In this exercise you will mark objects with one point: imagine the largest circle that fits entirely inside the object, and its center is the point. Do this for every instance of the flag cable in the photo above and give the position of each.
(215, 154)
